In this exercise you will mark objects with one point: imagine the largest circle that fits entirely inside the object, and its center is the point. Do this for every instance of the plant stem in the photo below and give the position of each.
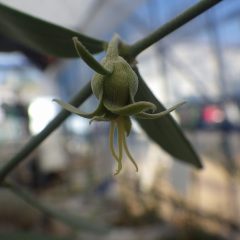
(73, 221)
(33, 143)
(171, 26)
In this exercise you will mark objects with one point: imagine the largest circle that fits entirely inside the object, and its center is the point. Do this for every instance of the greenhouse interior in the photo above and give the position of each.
(64, 173)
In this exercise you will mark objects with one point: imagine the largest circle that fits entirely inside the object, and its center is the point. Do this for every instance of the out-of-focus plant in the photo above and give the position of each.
(54, 40)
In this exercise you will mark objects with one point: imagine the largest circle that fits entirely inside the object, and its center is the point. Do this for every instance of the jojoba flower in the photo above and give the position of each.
(115, 84)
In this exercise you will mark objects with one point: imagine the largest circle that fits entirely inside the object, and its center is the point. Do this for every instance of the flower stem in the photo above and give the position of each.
(170, 26)
(35, 141)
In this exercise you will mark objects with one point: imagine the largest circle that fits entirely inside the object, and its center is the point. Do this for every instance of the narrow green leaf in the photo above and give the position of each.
(165, 131)
(43, 36)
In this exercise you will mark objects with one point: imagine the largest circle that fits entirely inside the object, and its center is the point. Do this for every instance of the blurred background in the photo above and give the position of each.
(72, 170)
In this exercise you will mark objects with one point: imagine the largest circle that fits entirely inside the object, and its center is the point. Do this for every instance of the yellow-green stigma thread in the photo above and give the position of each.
(111, 144)
(120, 148)
(128, 153)
(122, 144)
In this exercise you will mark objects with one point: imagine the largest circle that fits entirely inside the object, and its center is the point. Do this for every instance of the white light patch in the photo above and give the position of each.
(41, 111)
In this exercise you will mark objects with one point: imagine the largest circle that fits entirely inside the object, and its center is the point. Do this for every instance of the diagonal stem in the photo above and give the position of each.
(170, 26)
(35, 141)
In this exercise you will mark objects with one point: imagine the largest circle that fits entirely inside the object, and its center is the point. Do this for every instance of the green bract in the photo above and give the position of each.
(115, 84)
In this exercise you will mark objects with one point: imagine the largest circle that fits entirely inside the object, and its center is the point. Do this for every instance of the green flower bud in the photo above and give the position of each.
(115, 85)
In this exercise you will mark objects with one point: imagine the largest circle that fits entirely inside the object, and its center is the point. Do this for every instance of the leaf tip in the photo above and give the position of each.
(199, 165)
